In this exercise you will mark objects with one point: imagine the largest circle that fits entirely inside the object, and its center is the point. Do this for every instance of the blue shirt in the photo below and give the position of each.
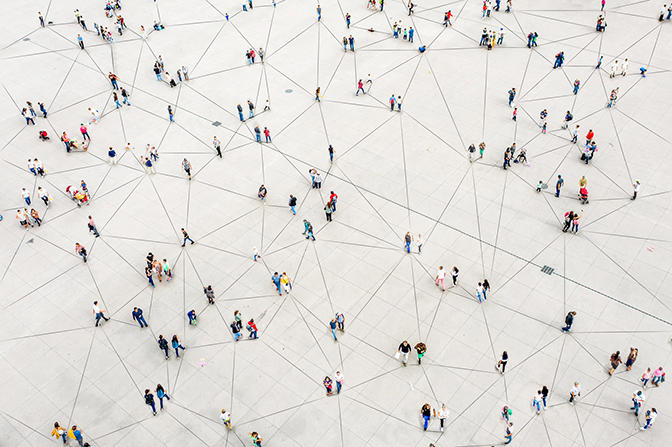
(78, 434)
(332, 324)
(148, 163)
(276, 279)
(111, 153)
(137, 314)
(410, 32)
(79, 39)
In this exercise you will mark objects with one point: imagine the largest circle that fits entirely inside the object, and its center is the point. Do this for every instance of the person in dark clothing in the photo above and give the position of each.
(569, 320)
(149, 400)
(137, 316)
(163, 344)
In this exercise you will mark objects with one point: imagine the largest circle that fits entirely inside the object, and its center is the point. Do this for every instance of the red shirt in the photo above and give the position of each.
(332, 197)
(267, 132)
(589, 135)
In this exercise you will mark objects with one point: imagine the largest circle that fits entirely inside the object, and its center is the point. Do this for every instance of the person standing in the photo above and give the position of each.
(80, 41)
(60, 432)
(331, 153)
(332, 326)
(544, 395)
(333, 197)
(327, 382)
(80, 250)
(440, 277)
(421, 348)
(252, 327)
(638, 399)
(170, 115)
(76, 434)
(486, 288)
(443, 414)
(319, 13)
(112, 154)
(340, 321)
(404, 350)
(267, 134)
(328, 211)
(262, 193)
(277, 281)
(177, 345)
(635, 187)
(251, 107)
(454, 273)
(149, 400)
(292, 205)
(218, 146)
(646, 376)
(569, 320)
(479, 291)
(575, 134)
(209, 294)
(148, 274)
(347, 20)
(185, 237)
(574, 392)
(26, 196)
(98, 312)
(286, 282)
(426, 412)
(558, 185)
(632, 357)
(339, 379)
(577, 83)
(502, 362)
(351, 41)
(39, 16)
(615, 360)
(512, 96)
(651, 416)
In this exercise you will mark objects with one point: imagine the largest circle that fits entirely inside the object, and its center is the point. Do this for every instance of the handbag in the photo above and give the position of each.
(398, 354)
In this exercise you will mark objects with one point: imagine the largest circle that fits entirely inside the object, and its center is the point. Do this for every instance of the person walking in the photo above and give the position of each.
(558, 185)
(479, 291)
(574, 392)
(218, 145)
(360, 86)
(333, 197)
(235, 328)
(80, 41)
(575, 222)
(651, 416)
(256, 439)
(308, 228)
(80, 250)
(339, 379)
(277, 281)
(327, 382)
(177, 345)
(92, 227)
(149, 400)
(226, 419)
(292, 204)
(240, 112)
(512, 96)
(646, 376)
(98, 312)
(658, 376)
(426, 412)
(340, 321)
(60, 432)
(577, 83)
(421, 348)
(407, 240)
(161, 393)
(443, 415)
(486, 289)
(635, 187)
(509, 430)
(615, 360)
(185, 237)
(332, 326)
(632, 357)
(569, 320)
(502, 362)
(148, 274)
(403, 351)
(137, 316)
(328, 211)
(454, 272)
(209, 294)
(163, 345)
(286, 282)
(536, 401)
(440, 277)
(638, 399)
(76, 434)
(544, 395)
(252, 328)
(331, 153)
(319, 13)
(170, 113)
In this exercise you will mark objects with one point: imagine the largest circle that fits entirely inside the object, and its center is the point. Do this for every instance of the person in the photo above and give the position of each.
(148, 274)
(509, 430)
(443, 414)
(421, 348)
(544, 395)
(658, 376)
(332, 326)
(161, 393)
(479, 291)
(262, 193)
(192, 317)
(255, 253)
(481, 149)
(486, 288)
(331, 153)
(646, 376)
(186, 237)
(574, 392)
(471, 151)
(60, 432)
(210, 294)
(80, 41)
(426, 412)
(163, 345)
(149, 400)
(446, 19)
(137, 316)
(340, 321)
(177, 344)
(339, 378)
(635, 186)
(569, 320)
(98, 312)
(632, 357)
(575, 222)
(404, 350)
(186, 167)
(612, 97)
(167, 271)
(512, 96)
(440, 276)
(256, 439)
(286, 282)
(558, 185)
(226, 419)
(506, 413)
(76, 434)
(328, 211)
(218, 146)
(651, 416)
(615, 360)
(407, 240)
(252, 328)
(327, 382)
(360, 86)
(454, 273)
(502, 362)
(536, 401)
(308, 228)
(638, 399)
(79, 249)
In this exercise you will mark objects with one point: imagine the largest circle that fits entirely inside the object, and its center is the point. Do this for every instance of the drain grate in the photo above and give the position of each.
(26, 39)
(216, 124)
(548, 270)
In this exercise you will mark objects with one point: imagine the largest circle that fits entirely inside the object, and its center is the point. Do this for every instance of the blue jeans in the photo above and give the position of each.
(536, 403)
(543, 398)
(644, 382)
(117, 103)
(331, 155)
(240, 114)
(410, 37)
(141, 320)
(268, 139)
(153, 407)
(126, 101)
(362, 89)
(27, 201)
(656, 379)
(408, 247)
(258, 138)
(293, 210)
(177, 350)
(236, 336)
(158, 77)
(333, 331)
(251, 113)
(114, 84)
(426, 422)
(338, 387)
(244, 7)
(310, 234)
(185, 241)
(171, 117)
(636, 407)
(161, 399)
(576, 89)
(253, 335)
(479, 297)
(352, 46)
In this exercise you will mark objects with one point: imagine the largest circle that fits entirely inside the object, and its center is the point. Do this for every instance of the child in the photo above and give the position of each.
(256, 253)
(515, 113)
(539, 186)
(543, 128)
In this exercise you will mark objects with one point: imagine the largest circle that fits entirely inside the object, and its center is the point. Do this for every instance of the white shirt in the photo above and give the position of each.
(31, 165)
(441, 274)
(39, 165)
(419, 241)
(443, 413)
(636, 187)
(225, 416)
(537, 398)
(639, 397)
(624, 66)
(96, 309)
(653, 415)
(576, 390)
(338, 377)
(479, 289)
(25, 194)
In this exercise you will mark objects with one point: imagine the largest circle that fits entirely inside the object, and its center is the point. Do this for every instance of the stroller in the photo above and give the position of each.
(78, 197)
(43, 135)
(583, 193)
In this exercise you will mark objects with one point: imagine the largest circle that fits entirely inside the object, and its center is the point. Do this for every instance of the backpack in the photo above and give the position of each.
(149, 399)
(163, 344)
(249, 328)
(234, 327)
(175, 344)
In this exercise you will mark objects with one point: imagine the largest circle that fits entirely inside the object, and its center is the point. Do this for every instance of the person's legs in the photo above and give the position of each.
(333, 331)
(405, 354)
(338, 387)
(426, 422)
(408, 246)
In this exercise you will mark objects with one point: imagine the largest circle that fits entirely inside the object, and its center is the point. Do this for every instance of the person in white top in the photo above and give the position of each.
(44, 195)
(574, 392)
(96, 115)
(479, 291)
(440, 276)
(614, 67)
(419, 241)
(39, 167)
(638, 399)
(26, 196)
(98, 312)
(31, 167)
(338, 378)
(443, 414)
(651, 416)
(537, 401)
(636, 188)
(624, 67)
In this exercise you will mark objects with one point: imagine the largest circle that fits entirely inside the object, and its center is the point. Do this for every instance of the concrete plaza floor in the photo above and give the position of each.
(393, 172)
